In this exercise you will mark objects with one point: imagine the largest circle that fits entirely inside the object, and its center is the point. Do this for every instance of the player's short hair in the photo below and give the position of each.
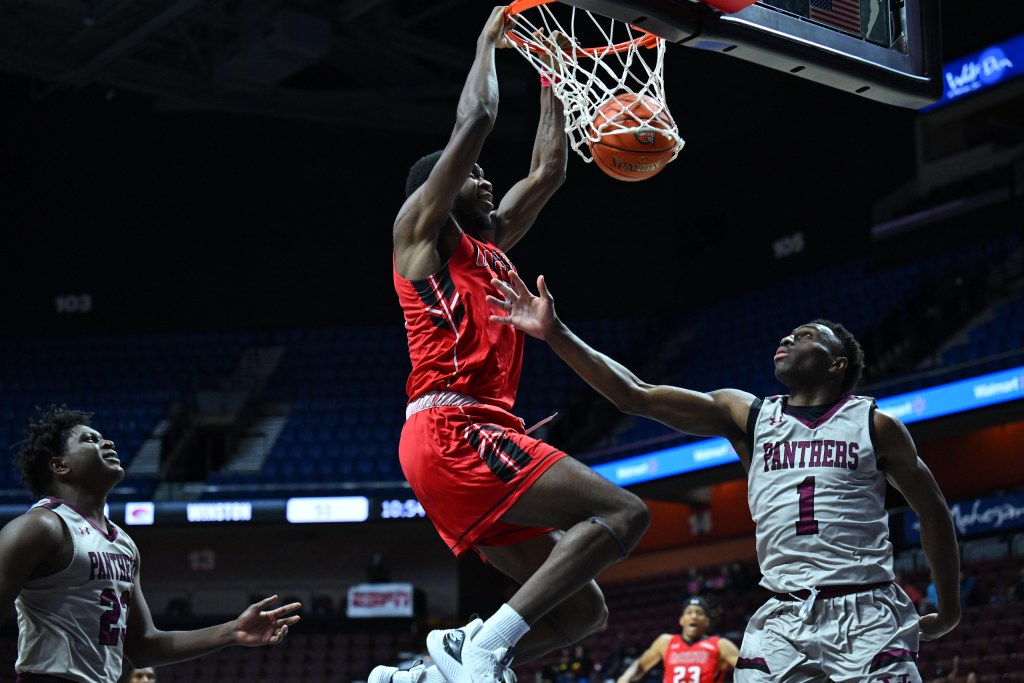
(851, 349)
(706, 603)
(46, 438)
(420, 171)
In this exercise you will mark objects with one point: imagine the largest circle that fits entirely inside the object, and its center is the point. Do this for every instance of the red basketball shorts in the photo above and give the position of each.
(467, 466)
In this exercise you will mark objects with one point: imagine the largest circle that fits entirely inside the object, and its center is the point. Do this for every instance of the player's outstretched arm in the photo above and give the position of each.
(521, 205)
(719, 413)
(259, 624)
(425, 212)
(907, 472)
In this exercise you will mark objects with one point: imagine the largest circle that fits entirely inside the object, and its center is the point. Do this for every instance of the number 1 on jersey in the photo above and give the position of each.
(806, 525)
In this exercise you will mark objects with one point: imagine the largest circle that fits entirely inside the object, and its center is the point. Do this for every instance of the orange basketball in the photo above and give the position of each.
(631, 146)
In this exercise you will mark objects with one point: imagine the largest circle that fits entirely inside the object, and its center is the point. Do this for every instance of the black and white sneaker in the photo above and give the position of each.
(447, 646)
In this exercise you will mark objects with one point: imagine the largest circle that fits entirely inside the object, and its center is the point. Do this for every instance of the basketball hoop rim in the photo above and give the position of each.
(647, 40)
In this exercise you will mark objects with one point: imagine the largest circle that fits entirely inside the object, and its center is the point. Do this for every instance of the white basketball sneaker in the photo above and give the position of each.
(507, 674)
(486, 666)
(392, 674)
(447, 648)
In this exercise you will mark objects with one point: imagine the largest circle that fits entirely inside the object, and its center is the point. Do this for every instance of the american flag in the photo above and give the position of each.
(841, 14)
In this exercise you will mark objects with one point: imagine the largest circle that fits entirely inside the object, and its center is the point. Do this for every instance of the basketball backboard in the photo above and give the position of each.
(884, 50)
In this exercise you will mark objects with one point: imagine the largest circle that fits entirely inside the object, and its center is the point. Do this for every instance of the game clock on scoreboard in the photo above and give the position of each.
(401, 508)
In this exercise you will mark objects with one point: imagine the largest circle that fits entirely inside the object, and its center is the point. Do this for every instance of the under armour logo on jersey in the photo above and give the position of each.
(84, 530)
(780, 419)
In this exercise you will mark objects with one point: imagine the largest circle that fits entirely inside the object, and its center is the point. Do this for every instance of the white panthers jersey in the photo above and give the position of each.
(818, 498)
(72, 624)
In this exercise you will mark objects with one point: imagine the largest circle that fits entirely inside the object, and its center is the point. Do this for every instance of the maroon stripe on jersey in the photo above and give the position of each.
(814, 424)
(756, 663)
(441, 299)
(503, 456)
(54, 503)
(887, 657)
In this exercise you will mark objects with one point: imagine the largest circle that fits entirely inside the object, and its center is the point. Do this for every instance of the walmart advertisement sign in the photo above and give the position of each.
(668, 462)
(989, 67)
(967, 394)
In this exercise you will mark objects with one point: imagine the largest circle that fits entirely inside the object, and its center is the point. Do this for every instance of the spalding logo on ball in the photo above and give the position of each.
(632, 138)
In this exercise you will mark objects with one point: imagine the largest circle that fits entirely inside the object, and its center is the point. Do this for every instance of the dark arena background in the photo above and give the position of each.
(196, 233)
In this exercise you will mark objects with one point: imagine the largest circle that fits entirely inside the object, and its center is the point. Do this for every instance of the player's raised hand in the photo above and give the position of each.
(261, 625)
(534, 315)
(496, 27)
(553, 43)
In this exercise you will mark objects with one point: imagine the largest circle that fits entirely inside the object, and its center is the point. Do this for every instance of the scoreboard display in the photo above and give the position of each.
(300, 510)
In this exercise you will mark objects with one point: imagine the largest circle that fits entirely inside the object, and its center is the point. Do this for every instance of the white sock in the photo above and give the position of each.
(503, 629)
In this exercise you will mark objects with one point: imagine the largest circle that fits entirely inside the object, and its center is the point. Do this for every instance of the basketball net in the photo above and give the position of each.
(625, 60)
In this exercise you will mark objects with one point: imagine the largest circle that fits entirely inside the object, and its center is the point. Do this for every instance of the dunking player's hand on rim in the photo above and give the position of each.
(555, 41)
(259, 625)
(496, 27)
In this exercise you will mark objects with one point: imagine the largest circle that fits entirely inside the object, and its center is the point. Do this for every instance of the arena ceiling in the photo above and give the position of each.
(351, 62)
(392, 64)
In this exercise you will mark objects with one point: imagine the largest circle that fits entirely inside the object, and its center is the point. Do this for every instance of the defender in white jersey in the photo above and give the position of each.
(73, 575)
(86, 601)
(817, 461)
(807, 469)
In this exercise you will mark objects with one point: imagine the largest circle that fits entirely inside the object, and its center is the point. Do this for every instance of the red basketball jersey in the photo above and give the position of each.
(697, 663)
(453, 345)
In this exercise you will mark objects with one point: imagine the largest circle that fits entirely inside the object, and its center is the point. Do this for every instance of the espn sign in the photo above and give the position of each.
(380, 600)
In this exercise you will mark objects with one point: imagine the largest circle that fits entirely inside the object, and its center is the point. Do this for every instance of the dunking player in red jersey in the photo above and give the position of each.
(689, 656)
(544, 519)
